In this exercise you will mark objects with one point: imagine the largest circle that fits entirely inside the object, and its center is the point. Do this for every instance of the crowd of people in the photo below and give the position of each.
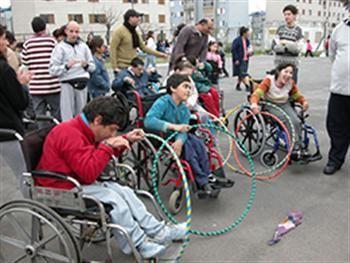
(56, 74)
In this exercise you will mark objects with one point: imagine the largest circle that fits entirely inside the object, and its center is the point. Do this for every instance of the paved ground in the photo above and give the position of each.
(324, 233)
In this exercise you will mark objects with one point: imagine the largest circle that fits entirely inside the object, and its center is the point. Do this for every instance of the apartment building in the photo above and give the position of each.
(316, 17)
(92, 15)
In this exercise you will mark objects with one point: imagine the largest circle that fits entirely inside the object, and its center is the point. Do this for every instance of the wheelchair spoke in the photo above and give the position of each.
(19, 228)
(20, 258)
(52, 255)
(46, 240)
(12, 241)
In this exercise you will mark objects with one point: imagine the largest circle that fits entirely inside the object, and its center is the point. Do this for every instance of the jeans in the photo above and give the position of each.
(150, 61)
(128, 211)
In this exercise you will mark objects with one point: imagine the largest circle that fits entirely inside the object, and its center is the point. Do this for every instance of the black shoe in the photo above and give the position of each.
(316, 157)
(205, 191)
(218, 183)
(247, 88)
(330, 169)
(238, 87)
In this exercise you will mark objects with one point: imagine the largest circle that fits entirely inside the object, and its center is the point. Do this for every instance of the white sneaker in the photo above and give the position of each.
(150, 249)
(171, 233)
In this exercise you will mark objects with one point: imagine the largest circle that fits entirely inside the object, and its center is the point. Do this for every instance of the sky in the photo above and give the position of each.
(254, 5)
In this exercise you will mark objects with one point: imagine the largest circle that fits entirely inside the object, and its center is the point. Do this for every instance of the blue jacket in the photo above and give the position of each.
(237, 49)
(141, 83)
(163, 112)
(99, 79)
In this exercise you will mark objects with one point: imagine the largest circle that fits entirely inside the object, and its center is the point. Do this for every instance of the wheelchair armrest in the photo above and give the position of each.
(128, 167)
(46, 118)
(9, 134)
(53, 175)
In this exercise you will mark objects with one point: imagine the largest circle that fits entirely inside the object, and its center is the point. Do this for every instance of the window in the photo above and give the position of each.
(48, 18)
(319, 13)
(76, 17)
(144, 1)
(161, 18)
(310, 1)
(97, 18)
(161, 2)
(303, 12)
(130, 1)
(145, 18)
(93, 1)
(310, 12)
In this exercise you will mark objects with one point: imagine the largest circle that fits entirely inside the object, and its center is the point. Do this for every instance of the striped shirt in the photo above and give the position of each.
(36, 56)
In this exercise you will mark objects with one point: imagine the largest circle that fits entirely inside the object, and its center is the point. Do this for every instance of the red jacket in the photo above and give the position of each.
(70, 149)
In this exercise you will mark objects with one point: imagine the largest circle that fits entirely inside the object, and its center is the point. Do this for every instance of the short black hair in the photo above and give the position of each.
(38, 24)
(174, 81)
(10, 37)
(291, 8)
(113, 110)
(135, 62)
(243, 30)
(58, 32)
(182, 64)
(281, 67)
(95, 43)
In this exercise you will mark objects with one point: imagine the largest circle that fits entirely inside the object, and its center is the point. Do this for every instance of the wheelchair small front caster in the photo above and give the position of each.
(176, 201)
(269, 159)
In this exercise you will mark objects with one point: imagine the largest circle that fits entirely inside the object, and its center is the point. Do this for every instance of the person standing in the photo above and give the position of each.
(126, 40)
(36, 54)
(326, 45)
(286, 43)
(151, 43)
(308, 49)
(240, 57)
(71, 62)
(13, 97)
(192, 41)
(338, 120)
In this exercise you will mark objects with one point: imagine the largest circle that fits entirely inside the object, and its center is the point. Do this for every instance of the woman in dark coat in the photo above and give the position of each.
(13, 97)
(240, 57)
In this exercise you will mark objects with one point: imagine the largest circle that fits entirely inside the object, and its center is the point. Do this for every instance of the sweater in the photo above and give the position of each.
(70, 149)
(164, 112)
(99, 79)
(66, 51)
(13, 99)
(122, 51)
(339, 53)
(269, 90)
(36, 55)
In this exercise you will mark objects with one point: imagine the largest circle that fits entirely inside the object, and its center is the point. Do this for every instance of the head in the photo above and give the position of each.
(59, 33)
(72, 31)
(205, 26)
(19, 47)
(284, 72)
(90, 36)
(38, 25)
(11, 40)
(3, 42)
(308, 41)
(178, 29)
(133, 17)
(179, 87)
(244, 32)
(107, 115)
(290, 13)
(213, 46)
(97, 46)
(137, 66)
(184, 67)
(150, 34)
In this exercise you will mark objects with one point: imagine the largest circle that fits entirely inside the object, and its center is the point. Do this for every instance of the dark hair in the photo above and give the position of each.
(59, 32)
(38, 24)
(279, 68)
(19, 45)
(149, 34)
(291, 8)
(211, 43)
(243, 30)
(182, 64)
(175, 80)
(135, 62)
(2, 33)
(113, 110)
(192, 60)
(178, 29)
(95, 43)
(10, 37)
(204, 21)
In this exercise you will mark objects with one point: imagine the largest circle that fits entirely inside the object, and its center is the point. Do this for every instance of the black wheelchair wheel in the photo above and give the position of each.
(269, 159)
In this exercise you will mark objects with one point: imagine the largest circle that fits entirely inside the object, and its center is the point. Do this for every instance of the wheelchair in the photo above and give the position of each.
(141, 156)
(264, 137)
(54, 225)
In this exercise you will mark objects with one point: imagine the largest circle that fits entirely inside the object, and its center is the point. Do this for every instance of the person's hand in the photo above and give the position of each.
(71, 63)
(129, 80)
(177, 146)
(305, 106)
(255, 108)
(165, 55)
(117, 142)
(24, 77)
(201, 65)
(135, 135)
(180, 127)
(117, 70)
(84, 64)
(237, 62)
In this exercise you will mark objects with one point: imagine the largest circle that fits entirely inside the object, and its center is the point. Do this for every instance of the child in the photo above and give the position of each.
(170, 113)
(279, 88)
(208, 94)
(214, 59)
(308, 49)
(98, 84)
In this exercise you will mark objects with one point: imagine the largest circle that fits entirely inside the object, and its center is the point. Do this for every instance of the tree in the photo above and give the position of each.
(112, 17)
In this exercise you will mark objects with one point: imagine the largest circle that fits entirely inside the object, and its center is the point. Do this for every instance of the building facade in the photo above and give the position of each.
(316, 17)
(6, 18)
(92, 15)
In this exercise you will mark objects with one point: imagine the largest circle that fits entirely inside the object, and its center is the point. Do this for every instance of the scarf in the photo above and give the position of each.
(135, 37)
